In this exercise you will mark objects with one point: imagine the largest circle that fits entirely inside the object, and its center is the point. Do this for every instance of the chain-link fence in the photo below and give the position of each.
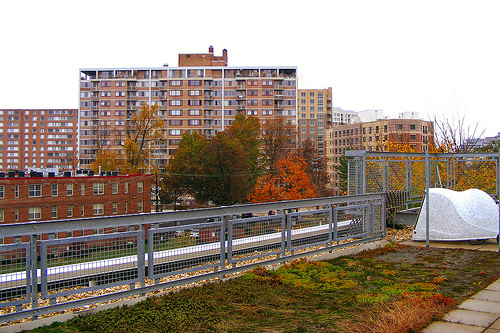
(375, 172)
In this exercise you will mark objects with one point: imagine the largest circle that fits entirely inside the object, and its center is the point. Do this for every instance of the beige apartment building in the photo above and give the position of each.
(38, 139)
(315, 116)
(373, 136)
(203, 94)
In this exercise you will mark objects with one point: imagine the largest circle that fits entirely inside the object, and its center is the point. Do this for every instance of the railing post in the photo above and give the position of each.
(427, 201)
(288, 231)
(283, 233)
(229, 248)
(363, 174)
(223, 230)
(141, 252)
(330, 225)
(34, 280)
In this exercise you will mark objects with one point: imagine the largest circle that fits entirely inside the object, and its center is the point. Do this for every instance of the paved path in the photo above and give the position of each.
(479, 313)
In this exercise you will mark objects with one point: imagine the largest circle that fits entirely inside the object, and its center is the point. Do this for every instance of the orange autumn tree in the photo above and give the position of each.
(289, 181)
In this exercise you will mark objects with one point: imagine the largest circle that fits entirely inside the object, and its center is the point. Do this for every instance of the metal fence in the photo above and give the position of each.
(46, 270)
(374, 172)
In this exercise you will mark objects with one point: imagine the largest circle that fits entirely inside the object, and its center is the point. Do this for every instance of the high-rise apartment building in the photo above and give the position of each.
(203, 94)
(373, 136)
(38, 139)
(315, 116)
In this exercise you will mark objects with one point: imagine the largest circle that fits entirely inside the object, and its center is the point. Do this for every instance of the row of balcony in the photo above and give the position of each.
(133, 87)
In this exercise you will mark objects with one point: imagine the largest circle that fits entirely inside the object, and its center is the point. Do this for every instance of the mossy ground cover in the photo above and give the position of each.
(393, 289)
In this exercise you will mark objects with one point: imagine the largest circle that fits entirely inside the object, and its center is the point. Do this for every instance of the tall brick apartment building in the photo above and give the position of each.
(203, 94)
(37, 198)
(315, 116)
(38, 138)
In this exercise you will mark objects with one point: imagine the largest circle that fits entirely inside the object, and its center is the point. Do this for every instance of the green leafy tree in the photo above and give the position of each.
(184, 173)
(221, 170)
(247, 131)
(228, 172)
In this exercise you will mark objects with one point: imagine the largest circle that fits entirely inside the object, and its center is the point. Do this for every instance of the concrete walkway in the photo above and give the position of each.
(480, 312)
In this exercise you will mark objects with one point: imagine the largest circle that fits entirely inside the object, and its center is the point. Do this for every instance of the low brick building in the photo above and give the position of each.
(33, 197)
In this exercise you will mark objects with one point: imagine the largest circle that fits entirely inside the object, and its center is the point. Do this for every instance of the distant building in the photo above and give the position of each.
(477, 143)
(38, 197)
(315, 116)
(343, 117)
(38, 138)
(203, 94)
(373, 136)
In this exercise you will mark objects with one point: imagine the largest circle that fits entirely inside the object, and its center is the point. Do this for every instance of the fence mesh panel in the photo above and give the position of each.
(14, 271)
(255, 237)
(377, 172)
(175, 250)
(73, 265)
(352, 220)
(309, 228)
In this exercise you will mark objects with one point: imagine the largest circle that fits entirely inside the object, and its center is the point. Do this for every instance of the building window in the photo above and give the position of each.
(413, 137)
(115, 188)
(1, 215)
(140, 206)
(35, 213)
(54, 190)
(82, 211)
(115, 207)
(412, 126)
(69, 190)
(16, 191)
(2, 191)
(53, 211)
(126, 187)
(175, 93)
(98, 209)
(126, 207)
(399, 126)
(69, 211)
(16, 214)
(35, 191)
(175, 113)
(140, 187)
(98, 188)
(175, 132)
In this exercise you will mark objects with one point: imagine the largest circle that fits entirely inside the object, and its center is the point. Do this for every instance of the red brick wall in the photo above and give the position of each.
(78, 200)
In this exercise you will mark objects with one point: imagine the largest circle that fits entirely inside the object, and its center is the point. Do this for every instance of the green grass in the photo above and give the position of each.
(345, 294)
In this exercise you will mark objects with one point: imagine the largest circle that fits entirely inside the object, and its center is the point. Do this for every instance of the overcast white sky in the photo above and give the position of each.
(432, 57)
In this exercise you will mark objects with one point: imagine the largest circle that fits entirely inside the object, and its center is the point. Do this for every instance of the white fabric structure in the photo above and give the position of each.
(467, 215)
